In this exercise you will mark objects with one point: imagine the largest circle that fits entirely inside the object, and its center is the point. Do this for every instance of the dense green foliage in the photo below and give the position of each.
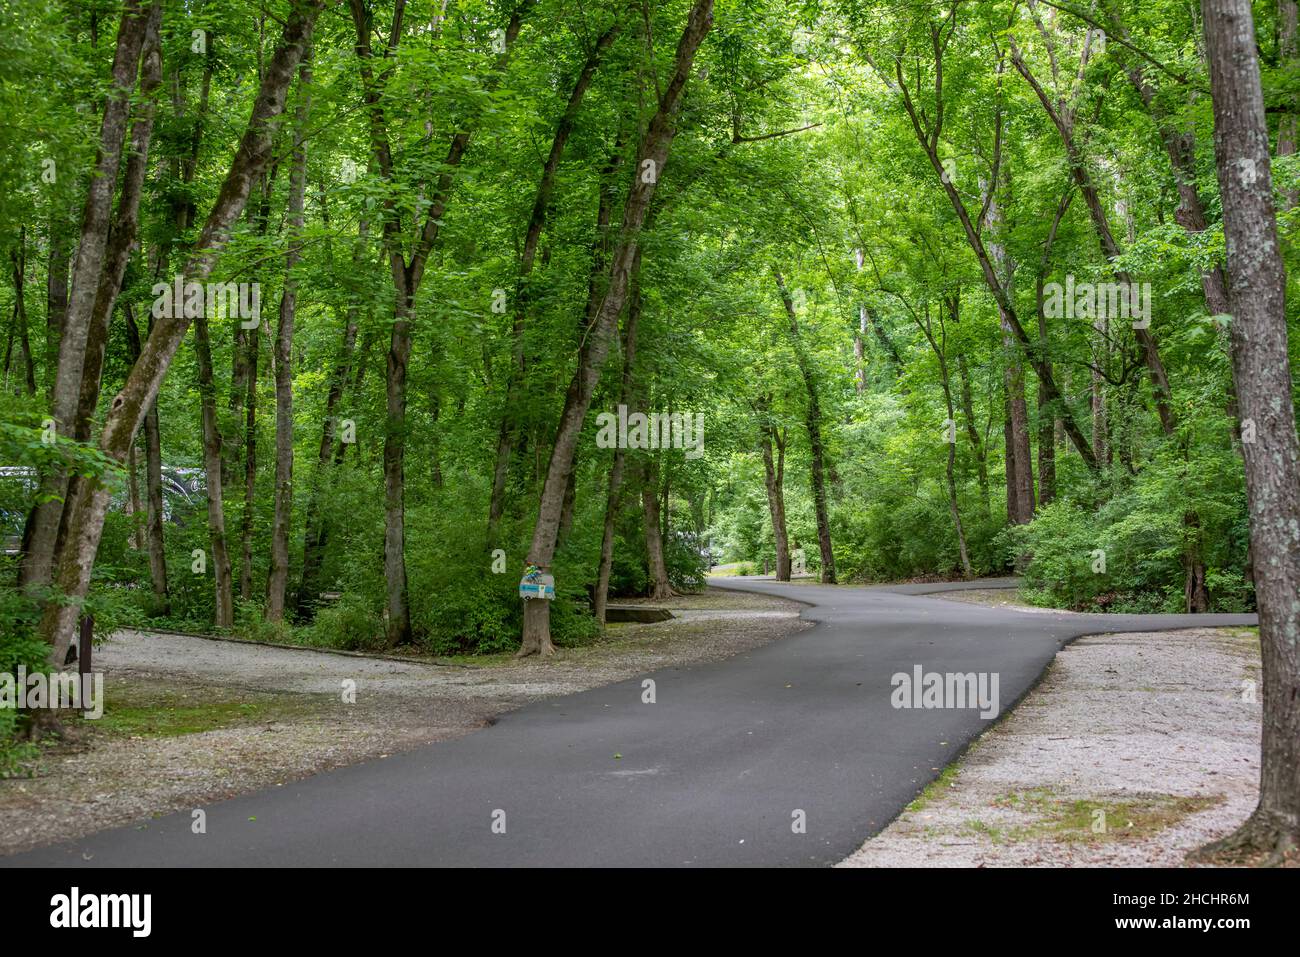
(793, 152)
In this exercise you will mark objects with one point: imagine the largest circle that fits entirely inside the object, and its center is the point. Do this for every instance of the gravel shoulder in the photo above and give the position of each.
(1134, 750)
(1006, 598)
(189, 721)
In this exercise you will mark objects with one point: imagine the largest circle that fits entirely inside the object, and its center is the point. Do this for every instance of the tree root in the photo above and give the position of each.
(1257, 843)
(44, 723)
(542, 651)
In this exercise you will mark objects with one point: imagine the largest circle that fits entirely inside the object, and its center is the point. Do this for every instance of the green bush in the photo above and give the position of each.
(251, 623)
(1141, 529)
(351, 624)
(19, 645)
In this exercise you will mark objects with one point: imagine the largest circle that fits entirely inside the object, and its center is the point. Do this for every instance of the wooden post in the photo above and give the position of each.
(83, 651)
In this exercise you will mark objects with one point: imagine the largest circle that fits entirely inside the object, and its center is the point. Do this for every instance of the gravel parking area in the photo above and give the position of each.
(1133, 751)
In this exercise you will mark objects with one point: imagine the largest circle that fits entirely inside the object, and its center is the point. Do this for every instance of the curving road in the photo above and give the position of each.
(711, 774)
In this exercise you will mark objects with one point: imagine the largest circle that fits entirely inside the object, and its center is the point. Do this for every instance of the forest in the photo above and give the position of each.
(329, 322)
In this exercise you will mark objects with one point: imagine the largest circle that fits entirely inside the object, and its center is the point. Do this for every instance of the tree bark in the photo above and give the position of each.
(949, 473)
(56, 299)
(656, 565)
(1048, 421)
(252, 347)
(523, 298)
(652, 155)
(223, 614)
(928, 138)
(317, 531)
(133, 498)
(774, 481)
(122, 232)
(277, 581)
(614, 495)
(19, 259)
(814, 425)
(117, 253)
(972, 431)
(41, 538)
(1261, 370)
(1019, 461)
(407, 277)
(153, 485)
(128, 408)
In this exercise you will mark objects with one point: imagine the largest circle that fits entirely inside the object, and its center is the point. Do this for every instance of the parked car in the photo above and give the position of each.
(184, 492)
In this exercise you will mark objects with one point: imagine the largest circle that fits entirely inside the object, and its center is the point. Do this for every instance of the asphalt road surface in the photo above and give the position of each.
(714, 773)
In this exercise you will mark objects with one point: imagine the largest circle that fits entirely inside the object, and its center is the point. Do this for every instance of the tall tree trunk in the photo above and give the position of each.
(19, 259)
(128, 408)
(1106, 237)
(122, 232)
(1019, 461)
(1261, 370)
(153, 484)
(1046, 449)
(652, 157)
(1097, 392)
(397, 605)
(243, 377)
(928, 138)
(523, 297)
(56, 299)
(814, 424)
(224, 602)
(656, 565)
(317, 531)
(133, 508)
(939, 346)
(949, 473)
(1048, 421)
(774, 481)
(407, 277)
(277, 581)
(9, 347)
(973, 432)
(117, 253)
(1020, 499)
(248, 445)
(614, 495)
(41, 537)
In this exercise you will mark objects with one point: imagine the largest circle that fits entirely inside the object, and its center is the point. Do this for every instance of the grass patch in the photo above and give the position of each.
(1066, 820)
(17, 758)
(936, 787)
(129, 712)
(176, 719)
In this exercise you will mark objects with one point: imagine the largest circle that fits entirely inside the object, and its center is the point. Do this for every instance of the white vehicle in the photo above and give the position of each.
(183, 492)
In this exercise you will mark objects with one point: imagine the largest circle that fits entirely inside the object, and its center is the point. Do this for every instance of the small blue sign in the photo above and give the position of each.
(537, 586)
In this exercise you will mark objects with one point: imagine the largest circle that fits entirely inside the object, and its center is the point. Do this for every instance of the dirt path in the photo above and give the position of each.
(1134, 750)
(189, 721)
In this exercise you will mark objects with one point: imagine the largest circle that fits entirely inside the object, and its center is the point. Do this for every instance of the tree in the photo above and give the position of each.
(131, 404)
(652, 158)
(1261, 370)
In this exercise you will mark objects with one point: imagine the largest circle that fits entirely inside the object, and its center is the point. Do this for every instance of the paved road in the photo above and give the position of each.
(710, 774)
